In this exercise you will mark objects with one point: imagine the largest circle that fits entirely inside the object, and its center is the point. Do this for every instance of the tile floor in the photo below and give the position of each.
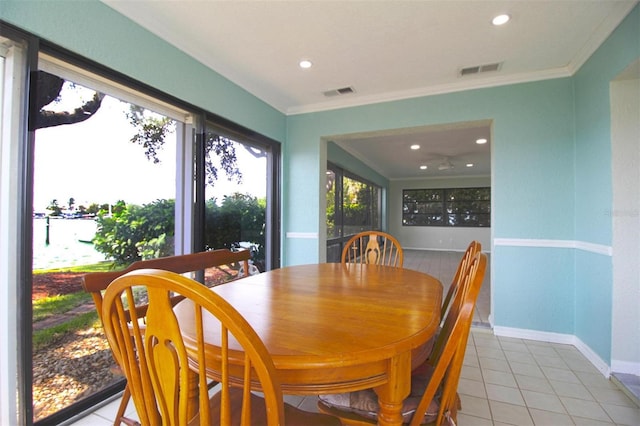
(507, 381)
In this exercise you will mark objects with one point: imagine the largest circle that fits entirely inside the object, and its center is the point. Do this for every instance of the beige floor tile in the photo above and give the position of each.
(586, 409)
(572, 390)
(471, 373)
(537, 384)
(494, 364)
(547, 418)
(514, 347)
(294, 400)
(471, 360)
(93, 420)
(581, 421)
(554, 373)
(504, 394)
(522, 357)
(550, 361)
(475, 407)
(595, 380)
(526, 369)
(511, 382)
(486, 340)
(470, 347)
(541, 349)
(490, 352)
(467, 420)
(510, 414)
(543, 401)
(309, 404)
(623, 415)
(581, 365)
(611, 396)
(472, 388)
(499, 378)
(505, 339)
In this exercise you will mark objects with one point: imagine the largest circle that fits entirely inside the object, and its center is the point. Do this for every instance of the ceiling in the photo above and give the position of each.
(384, 50)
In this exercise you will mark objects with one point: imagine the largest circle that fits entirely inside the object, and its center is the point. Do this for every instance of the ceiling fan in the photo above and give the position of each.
(445, 164)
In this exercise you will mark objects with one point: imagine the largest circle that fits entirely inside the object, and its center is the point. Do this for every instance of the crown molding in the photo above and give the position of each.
(432, 90)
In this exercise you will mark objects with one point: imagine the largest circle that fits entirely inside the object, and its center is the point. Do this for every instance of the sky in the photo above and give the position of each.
(95, 162)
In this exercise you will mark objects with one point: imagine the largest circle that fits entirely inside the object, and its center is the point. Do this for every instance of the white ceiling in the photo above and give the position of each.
(384, 50)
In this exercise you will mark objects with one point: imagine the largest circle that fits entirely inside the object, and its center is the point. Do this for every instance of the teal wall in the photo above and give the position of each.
(594, 274)
(533, 185)
(95, 31)
(535, 288)
(533, 159)
(551, 174)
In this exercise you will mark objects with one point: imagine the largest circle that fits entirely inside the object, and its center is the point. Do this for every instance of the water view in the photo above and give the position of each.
(69, 243)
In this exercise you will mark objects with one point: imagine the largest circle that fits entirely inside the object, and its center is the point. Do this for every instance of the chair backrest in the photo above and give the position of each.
(167, 376)
(469, 289)
(96, 282)
(446, 372)
(473, 248)
(447, 356)
(373, 247)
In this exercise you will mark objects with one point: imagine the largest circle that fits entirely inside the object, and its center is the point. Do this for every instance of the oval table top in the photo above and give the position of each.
(336, 327)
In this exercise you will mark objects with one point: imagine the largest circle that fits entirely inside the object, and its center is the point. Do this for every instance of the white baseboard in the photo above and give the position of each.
(625, 367)
(567, 339)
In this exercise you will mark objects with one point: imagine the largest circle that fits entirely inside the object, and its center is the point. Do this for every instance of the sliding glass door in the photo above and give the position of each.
(111, 171)
(106, 169)
(239, 195)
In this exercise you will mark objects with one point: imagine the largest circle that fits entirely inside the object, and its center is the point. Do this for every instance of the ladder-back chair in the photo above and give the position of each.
(96, 283)
(473, 248)
(168, 375)
(433, 399)
(374, 247)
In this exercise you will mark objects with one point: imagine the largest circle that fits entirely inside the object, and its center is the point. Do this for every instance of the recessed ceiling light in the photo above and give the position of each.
(500, 19)
(469, 164)
(423, 167)
(414, 147)
(481, 141)
(305, 63)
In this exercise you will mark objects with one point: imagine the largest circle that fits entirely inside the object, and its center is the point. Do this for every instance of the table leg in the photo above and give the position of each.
(392, 394)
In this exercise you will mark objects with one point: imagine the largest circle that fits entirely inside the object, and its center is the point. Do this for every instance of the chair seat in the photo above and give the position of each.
(351, 417)
(293, 416)
(364, 403)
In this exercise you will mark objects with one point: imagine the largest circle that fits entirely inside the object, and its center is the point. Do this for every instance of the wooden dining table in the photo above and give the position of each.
(335, 327)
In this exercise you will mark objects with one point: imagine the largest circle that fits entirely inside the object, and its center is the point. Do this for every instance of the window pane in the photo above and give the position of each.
(446, 207)
(334, 209)
(358, 203)
(353, 205)
(104, 196)
(236, 176)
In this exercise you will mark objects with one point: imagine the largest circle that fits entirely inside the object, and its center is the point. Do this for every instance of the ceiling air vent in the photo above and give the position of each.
(480, 68)
(341, 91)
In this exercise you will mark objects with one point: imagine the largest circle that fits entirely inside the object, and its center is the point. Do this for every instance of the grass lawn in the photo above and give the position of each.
(57, 304)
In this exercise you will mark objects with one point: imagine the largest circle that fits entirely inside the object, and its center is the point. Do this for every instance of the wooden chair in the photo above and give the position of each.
(96, 283)
(433, 398)
(168, 379)
(473, 248)
(375, 247)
